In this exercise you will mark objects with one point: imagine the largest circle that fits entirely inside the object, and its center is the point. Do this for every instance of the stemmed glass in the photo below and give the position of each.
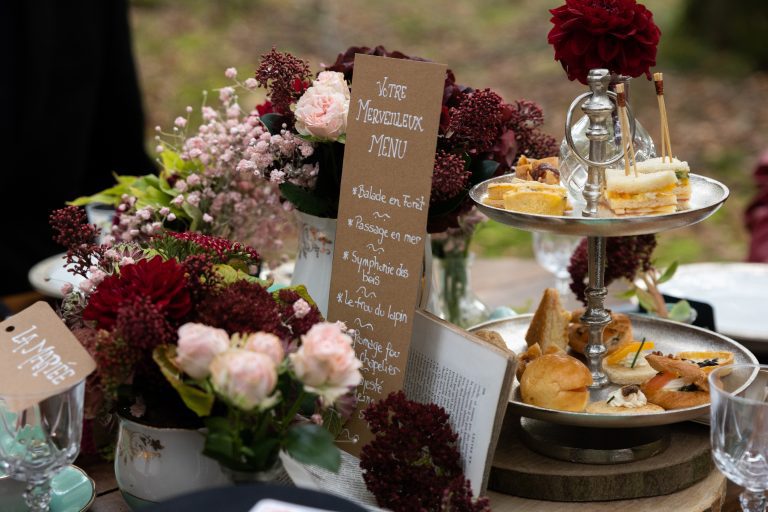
(553, 252)
(739, 429)
(38, 441)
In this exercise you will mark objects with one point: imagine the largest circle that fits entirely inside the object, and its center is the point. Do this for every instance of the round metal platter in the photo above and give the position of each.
(669, 337)
(707, 195)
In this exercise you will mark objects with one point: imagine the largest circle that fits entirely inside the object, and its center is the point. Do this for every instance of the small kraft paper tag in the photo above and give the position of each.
(39, 357)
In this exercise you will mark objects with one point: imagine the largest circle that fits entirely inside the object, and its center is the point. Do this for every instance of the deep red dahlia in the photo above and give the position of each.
(477, 122)
(161, 282)
(280, 73)
(619, 35)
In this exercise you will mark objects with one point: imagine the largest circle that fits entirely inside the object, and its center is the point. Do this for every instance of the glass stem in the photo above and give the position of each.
(752, 501)
(38, 496)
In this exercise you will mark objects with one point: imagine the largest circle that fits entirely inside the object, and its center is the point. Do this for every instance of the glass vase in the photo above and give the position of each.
(454, 299)
(573, 173)
(273, 474)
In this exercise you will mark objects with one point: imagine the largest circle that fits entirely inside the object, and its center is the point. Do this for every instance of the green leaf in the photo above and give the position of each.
(306, 200)
(312, 444)
(229, 275)
(668, 273)
(332, 422)
(627, 294)
(482, 170)
(198, 400)
(646, 300)
(273, 123)
(681, 311)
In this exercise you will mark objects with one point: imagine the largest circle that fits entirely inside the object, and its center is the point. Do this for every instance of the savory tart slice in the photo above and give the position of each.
(707, 360)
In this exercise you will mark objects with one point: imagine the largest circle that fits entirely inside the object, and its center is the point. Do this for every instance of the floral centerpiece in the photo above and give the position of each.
(479, 135)
(183, 334)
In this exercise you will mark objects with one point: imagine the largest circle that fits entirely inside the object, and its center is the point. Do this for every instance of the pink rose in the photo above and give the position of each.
(197, 346)
(321, 111)
(265, 343)
(247, 379)
(326, 362)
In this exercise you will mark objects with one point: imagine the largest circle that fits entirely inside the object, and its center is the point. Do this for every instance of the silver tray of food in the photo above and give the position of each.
(706, 196)
(668, 337)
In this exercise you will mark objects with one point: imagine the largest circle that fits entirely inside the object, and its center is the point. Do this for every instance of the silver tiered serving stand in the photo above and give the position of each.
(643, 435)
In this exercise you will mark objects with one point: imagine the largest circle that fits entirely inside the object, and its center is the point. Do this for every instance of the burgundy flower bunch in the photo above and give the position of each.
(480, 135)
(413, 463)
(626, 256)
(619, 35)
(138, 294)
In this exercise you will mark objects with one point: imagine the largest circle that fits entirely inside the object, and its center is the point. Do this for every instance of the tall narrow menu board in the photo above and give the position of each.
(392, 125)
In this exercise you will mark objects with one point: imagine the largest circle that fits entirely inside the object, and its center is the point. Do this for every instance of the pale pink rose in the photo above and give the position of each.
(197, 346)
(322, 110)
(246, 379)
(268, 344)
(326, 362)
(67, 288)
(333, 80)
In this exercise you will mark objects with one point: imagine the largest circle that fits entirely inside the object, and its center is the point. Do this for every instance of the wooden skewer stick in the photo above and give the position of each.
(666, 144)
(626, 133)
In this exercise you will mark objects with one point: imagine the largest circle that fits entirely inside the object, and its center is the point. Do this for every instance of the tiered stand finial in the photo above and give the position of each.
(599, 109)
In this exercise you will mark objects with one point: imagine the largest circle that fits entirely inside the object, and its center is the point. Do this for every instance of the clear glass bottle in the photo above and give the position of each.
(573, 173)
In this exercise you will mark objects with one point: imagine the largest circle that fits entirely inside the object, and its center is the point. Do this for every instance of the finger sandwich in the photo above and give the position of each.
(644, 194)
(683, 186)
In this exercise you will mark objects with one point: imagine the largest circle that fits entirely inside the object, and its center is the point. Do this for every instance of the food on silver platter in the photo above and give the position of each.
(544, 170)
(556, 381)
(644, 194)
(626, 400)
(678, 385)
(707, 360)
(616, 334)
(528, 197)
(628, 365)
(549, 325)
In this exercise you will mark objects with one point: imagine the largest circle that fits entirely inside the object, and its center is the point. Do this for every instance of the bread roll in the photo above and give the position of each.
(556, 381)
(549, 325)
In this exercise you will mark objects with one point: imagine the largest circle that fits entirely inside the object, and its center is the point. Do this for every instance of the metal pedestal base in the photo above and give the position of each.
(593, 445)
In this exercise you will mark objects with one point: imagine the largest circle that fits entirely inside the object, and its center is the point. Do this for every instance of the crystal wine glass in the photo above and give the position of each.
(38, 441)
(553, 252)
(739, 429)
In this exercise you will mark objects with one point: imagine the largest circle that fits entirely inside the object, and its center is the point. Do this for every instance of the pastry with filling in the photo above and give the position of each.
(678, 385)
(626, 400)
(549, 325)
(556, 381)
(616, 334)
(644, 194)
(544, 170)
(707, 360)
(628, 365)
(528, 197)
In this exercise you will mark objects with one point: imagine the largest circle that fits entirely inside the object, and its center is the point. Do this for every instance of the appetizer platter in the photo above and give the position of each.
(667, 337)
(707, 195)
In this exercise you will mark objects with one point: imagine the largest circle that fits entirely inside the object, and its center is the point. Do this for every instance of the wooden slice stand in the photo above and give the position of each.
(684, 471)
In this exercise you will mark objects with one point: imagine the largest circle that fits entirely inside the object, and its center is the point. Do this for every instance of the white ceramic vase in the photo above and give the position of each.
(154, 464)
(315, 257)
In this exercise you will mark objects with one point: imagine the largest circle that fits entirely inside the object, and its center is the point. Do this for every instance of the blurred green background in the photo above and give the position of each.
(711, 53)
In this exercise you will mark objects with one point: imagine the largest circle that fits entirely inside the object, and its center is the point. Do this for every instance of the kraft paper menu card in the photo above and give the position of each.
(394, 113)
(39, 357)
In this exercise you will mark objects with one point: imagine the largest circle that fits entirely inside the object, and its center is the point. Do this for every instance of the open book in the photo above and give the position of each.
(454, 369)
